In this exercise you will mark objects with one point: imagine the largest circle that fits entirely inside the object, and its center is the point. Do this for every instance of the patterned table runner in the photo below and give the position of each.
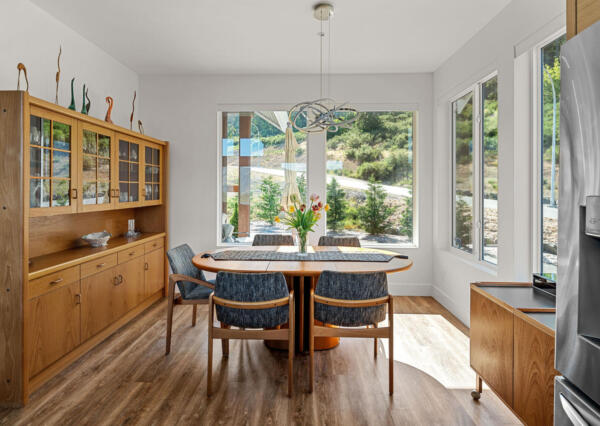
(319, 256)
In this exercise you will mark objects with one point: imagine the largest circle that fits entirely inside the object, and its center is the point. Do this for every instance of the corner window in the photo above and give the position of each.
(475, 171)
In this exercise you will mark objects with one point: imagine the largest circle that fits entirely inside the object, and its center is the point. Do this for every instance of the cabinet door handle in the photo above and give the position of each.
(56, 281)
(74, 193)
(131, 253)
(146, 266)
(120, 279)
(116, 280)
(100, 265)
(78, 299)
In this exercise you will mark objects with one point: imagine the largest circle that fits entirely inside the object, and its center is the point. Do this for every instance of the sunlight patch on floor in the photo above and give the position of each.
(433, 345)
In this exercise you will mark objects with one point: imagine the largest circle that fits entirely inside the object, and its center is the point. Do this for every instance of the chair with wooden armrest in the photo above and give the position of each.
(328, 241)
(194, 288)
(256, 304)
(351, 300)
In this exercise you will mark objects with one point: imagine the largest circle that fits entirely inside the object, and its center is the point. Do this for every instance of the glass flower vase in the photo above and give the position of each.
(302, 243)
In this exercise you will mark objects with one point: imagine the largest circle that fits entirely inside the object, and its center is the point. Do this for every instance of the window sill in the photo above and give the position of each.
(469, 259)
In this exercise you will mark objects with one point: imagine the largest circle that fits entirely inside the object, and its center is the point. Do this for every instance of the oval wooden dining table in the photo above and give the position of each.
(301, 276)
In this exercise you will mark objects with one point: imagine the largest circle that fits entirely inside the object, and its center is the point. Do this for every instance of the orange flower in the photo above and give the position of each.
(326, 207)
(292, 209)
(277, 219)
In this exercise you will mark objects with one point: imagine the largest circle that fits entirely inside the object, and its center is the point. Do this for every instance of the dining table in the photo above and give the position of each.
(302, 272)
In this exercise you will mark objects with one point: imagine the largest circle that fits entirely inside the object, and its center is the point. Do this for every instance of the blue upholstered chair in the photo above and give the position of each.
(255, 303)
(273, 240)
(339, 241)
(194, 288)
(351, 300)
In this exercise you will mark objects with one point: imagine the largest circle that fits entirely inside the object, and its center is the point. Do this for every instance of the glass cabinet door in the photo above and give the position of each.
(97, 181)
(152, 174)
(129, 171)
(52, 159)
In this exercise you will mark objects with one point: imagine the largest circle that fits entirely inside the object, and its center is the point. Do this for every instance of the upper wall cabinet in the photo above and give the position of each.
(80, 164)
(52, 159)
(580, 15)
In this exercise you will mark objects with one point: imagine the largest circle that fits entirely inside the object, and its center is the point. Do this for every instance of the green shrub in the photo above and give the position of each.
(269, 202)
(336, 198)
(375, 213)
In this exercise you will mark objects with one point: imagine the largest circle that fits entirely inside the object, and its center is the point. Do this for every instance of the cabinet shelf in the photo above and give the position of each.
(43, 265)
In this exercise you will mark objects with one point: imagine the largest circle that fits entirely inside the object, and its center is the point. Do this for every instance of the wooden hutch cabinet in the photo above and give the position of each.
(63, 175)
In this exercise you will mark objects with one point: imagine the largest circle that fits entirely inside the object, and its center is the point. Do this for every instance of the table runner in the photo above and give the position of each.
(319, 256)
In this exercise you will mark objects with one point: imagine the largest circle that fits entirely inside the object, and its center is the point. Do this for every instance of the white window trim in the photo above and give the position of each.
(536, 138)
(476, 256)
(366, 107)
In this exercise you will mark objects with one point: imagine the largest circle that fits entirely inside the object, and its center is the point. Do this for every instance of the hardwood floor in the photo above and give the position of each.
(128, 380)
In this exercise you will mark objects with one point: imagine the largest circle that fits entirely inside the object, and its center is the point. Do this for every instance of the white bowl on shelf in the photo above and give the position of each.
(97, 239)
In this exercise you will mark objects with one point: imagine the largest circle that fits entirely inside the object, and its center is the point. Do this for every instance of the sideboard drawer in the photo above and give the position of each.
(94, 266)
(49, 282)
(153, 245)
(131, 253)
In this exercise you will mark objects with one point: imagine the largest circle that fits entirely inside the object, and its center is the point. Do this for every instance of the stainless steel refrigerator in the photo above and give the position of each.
(577, 392)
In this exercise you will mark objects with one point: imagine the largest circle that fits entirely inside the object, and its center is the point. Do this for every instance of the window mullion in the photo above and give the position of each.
(477, 173)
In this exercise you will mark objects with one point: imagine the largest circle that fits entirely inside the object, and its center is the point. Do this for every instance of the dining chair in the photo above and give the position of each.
(194, 288)
(339, 241)
(256, 304)
(345, 300)
(273, 240)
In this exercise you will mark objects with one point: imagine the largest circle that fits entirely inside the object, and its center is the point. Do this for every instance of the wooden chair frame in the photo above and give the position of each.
(225, 332)
(173, 279)
(375, 331)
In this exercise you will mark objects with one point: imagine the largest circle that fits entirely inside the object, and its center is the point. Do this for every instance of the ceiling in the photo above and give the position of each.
(274, 36)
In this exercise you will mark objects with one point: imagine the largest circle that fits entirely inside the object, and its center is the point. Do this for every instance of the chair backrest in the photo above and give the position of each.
(180, 259)
(273, 240)
(339, 241)
(351, 286)
(251, 288)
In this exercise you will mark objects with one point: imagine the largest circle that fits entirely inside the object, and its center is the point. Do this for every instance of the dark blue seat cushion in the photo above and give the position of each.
(180, 259)
(273, 240)
(351, 286)
(251, 288)
(339, 241)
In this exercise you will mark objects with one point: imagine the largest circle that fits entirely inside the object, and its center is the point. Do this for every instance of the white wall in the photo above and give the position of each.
(493, 48)
(183, 110)
(30, 35)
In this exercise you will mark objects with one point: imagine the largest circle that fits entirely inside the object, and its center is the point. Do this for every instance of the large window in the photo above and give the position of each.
(370, 179)
(549, 83)
(257, 165)
(475, 171)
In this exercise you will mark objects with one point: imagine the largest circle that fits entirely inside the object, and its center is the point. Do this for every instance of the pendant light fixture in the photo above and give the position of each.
(323, 114)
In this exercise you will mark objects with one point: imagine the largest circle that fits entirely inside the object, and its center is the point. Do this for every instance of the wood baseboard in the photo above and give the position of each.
(38, 380)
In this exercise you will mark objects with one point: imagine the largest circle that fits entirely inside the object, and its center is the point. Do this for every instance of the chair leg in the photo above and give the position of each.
(171, 296)
(311, 341)
(225, 342)
(210, 347)
(391, 342)
(194, 313)
(375, 343)
(291, 337)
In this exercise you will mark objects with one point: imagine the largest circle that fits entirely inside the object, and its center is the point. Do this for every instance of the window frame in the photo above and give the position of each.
(477, 253)
(311, 172)
(537, 210)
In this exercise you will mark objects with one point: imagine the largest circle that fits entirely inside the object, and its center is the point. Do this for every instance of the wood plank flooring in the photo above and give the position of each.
(128, 380)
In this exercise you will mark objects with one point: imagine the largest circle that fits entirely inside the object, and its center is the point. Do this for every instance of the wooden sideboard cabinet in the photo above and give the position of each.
(64, 175)
(512, 347)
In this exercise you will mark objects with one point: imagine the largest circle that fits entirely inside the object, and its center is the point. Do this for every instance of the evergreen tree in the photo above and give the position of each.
(374, 215)
(336, 198)
(235, 216)
(406, 218)
(270, 197)
(464, 224)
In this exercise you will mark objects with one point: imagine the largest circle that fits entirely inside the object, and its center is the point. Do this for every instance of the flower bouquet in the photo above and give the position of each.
(301, 217)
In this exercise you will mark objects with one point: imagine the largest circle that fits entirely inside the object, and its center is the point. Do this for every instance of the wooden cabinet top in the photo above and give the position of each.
(43, 265)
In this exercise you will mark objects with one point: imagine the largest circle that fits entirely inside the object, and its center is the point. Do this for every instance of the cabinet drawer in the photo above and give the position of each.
(130, 253)
(49, 282)
(153, 245)
(94, 266)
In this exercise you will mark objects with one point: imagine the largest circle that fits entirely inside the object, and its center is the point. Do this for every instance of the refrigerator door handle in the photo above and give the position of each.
(572, 412)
